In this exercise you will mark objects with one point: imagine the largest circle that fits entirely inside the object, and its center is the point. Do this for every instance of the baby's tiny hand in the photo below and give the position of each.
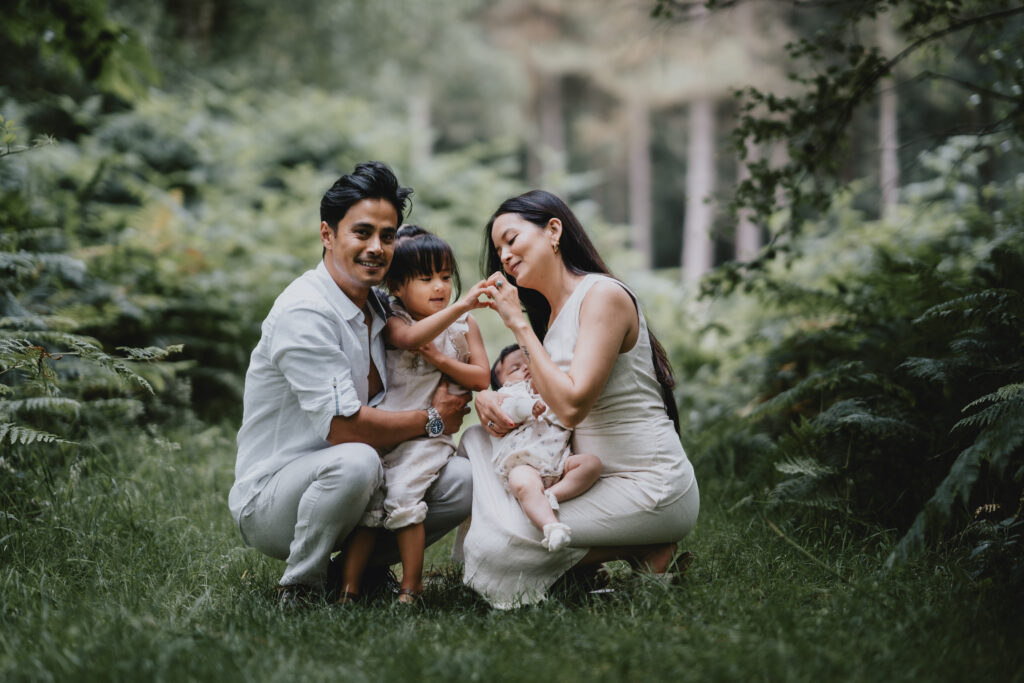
(539, 408)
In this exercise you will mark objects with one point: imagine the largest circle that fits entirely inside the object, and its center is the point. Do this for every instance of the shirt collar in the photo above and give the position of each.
(345, 306)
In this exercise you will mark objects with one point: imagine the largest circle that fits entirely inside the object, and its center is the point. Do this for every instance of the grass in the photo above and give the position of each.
(133, 571)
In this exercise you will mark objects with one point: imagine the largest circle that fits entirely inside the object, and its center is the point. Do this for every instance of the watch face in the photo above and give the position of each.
(435, 427)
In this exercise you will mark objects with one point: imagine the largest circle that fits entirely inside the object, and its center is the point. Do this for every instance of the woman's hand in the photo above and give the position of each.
(488, 408)
(505, 300)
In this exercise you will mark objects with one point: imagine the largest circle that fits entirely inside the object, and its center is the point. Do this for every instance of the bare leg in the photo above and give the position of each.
(355, 557)
(411, 542)
(654, 557)
(581, 471)
(528, 488)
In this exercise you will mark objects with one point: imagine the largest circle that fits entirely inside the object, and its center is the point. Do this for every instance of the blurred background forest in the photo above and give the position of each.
(820, 205)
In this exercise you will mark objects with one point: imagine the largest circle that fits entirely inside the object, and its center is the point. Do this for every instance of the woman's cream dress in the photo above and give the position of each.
(647, 492)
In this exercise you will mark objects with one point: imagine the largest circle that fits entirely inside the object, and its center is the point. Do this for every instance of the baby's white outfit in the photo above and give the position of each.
(542, 442)
(412, 466)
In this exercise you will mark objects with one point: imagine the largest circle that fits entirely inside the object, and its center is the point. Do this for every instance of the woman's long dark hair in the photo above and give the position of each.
(580, 257)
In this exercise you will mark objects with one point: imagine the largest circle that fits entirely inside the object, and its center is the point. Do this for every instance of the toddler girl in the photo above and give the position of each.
(425, 340)
(534, 459)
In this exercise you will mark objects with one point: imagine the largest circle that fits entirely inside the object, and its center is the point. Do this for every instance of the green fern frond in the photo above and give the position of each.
(1004, 407)
(1006, 392)
(44, 322)
(804, 466)
(151, 353)
(1000, 444)
(63, 406)
(805, 492)
(994, 305)
(928, 369)
(20, 434)
(27, 263)
(126, 408)
(57, 338)
(809, 387)
(855, 413)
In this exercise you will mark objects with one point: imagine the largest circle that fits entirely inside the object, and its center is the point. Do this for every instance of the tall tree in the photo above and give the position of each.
(837, 71)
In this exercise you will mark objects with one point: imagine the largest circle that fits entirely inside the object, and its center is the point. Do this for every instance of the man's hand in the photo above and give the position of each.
(451, 407)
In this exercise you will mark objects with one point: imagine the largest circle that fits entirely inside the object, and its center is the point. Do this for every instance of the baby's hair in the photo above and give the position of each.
(495, 383)
(420, 253)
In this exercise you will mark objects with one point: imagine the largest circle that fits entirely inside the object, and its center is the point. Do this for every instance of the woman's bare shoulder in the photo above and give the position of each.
(608, 293)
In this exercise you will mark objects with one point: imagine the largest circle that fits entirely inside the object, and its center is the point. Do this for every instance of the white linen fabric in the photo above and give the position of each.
(310, 365)
(540, 442)
(412, 466)
(647, 492)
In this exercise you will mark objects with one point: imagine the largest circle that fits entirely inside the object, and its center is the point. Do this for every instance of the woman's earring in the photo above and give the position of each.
(554, 246)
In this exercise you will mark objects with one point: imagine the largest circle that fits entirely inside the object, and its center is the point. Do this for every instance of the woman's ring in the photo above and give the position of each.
(498, 284)
(490, 423)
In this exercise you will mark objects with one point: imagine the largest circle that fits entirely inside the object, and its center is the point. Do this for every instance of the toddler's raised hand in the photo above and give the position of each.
(471, 299)
(539, 408)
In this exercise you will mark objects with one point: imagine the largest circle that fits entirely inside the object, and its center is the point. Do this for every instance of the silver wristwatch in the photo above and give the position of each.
(434, 426)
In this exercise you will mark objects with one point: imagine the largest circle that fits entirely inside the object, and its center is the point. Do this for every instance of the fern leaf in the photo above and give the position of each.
(45, 322)
(997, 444)
(804, 466)
(1007, 400)
(50, 404)
(151, 353)
(990, 304)
(15, 434)
(1003, 393)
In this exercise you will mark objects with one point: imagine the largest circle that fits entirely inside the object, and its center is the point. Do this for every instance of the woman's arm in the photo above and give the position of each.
(608, 326)
(475, 374)
(402, 335)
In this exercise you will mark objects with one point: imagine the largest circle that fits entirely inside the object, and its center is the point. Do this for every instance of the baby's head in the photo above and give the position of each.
(510, 367)
(423, 271)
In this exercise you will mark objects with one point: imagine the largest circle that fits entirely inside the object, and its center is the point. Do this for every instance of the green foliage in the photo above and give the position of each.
(134, 569)
(957, 66)
(882, 376)
(55, 381)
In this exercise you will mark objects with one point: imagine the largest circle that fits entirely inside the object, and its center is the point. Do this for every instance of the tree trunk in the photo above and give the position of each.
(700, 183)
(639, 142)
(888, 132)
(421, 137)
(748, 233)
(548, 157)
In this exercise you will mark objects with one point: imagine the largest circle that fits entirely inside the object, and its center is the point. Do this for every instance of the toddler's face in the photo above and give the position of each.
(424, 295)
(513, 368)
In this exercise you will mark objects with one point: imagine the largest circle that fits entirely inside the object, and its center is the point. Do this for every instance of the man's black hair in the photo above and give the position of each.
(369, 180)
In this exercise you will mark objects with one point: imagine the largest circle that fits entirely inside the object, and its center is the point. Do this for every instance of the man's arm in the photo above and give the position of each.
(385, 428)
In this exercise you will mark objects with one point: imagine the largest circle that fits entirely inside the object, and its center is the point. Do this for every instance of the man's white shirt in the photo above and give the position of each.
(310, 365)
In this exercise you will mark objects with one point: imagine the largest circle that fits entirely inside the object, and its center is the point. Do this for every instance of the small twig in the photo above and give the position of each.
(816, 561)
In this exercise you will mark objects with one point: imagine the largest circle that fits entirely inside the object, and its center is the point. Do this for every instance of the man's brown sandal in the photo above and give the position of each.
(407, 596)
(347, 598)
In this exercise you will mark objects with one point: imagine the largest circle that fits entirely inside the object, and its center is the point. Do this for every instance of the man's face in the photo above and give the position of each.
(359, 252)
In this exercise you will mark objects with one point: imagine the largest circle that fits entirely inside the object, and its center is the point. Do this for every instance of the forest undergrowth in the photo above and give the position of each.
(132, 570)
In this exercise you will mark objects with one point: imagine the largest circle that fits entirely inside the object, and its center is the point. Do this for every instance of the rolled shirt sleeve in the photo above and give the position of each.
(304, 348)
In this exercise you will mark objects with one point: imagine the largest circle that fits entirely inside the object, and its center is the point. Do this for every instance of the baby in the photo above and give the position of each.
(534, 459)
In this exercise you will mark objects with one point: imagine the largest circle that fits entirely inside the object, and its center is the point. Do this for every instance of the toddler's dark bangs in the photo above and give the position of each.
(422, 256)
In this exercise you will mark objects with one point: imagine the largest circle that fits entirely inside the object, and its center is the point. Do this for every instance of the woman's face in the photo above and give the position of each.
(526, 251)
